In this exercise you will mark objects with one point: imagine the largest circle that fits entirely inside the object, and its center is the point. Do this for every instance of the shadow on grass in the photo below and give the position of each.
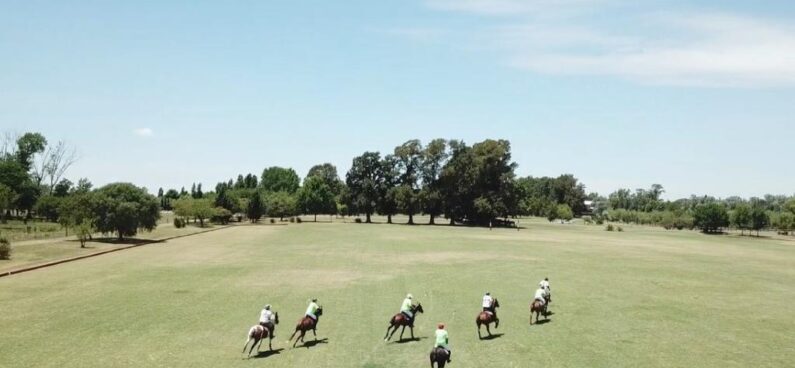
(408, 340)
(309, 344)
(492, 336)
(542, 322)
(267, 353)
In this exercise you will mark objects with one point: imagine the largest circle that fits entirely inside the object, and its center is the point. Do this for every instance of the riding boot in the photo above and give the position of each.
(449, 356)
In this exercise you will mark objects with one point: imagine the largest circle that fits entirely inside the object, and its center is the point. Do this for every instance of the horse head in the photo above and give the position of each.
(418, 308)
(319, 311)
(276, 318)
(496, 303)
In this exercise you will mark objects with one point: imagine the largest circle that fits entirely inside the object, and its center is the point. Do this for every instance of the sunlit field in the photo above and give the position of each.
(642, 297)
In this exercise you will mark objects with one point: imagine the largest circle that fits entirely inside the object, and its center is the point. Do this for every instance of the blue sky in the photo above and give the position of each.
(696, 95)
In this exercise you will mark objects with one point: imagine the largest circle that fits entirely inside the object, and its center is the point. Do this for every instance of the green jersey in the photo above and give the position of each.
(311, 309)
(406, 307)
(441, 338)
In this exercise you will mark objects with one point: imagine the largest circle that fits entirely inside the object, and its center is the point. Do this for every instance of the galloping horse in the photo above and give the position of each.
(257, 333)
(306, 324)
(537, 308)
(438, 356)
(399, 320)
(487, 317)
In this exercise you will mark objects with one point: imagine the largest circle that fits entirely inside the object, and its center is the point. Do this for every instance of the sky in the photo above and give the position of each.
(698, 96)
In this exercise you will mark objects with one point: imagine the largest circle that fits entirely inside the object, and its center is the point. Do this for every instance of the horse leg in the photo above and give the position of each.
(259, 345)
(479, 336)
(245, 346)
(314, 333)
(270, 343)
(386, 337)
(393, 332)
(411, 328)
(252, 348)
(488, 330)
(402, 330)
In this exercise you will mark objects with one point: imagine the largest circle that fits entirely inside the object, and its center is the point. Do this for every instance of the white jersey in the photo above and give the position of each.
(265, 316)
(487, 300)
(540, 293)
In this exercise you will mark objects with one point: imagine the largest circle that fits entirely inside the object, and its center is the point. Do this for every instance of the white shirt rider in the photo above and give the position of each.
(487, 300)
(266, 316)
(540, 295)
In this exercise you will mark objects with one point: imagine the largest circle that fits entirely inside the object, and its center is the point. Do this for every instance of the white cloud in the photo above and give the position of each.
(143, 132)
(691, 49)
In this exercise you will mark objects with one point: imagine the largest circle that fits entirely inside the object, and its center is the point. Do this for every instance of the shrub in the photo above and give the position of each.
(292, 219)
(239, 217)
(5, 249)
(358, 220)
(273, 221)
(619, 229)
(298, 220)
(609, 227)
(178, 223)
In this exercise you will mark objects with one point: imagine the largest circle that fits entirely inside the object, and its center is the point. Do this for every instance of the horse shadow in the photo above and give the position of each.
(542, 322)
(408, 340)
(492, 336)
(311, 343)
(550, 313)
(268, 353)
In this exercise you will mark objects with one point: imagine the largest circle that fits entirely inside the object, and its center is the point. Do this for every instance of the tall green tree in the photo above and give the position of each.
(280, 204)
(28, 145)
(364, 181)
(124, 209)
(328, 173)
(316, 196)
(279, 179)
(255, 207)
(434, 156)
(407, 199)
(387, 192)
(711, 217)
(7, 198)
(741, 217)
(759, 219)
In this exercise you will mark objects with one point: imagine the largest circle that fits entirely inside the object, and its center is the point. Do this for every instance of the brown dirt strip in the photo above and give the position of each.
(72, 259)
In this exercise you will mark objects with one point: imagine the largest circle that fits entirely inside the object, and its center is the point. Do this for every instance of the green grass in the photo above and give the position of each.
(17, 230)
(33, 252)
(643, 297)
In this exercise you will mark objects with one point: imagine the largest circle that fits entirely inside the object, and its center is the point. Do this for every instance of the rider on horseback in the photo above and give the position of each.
(443, 341)
(544, 284)
(540, 293)
(406, 309)
(312, 309)
(266, 320)
(488, 304)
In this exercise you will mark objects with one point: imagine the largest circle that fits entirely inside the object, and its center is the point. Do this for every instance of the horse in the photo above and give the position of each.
(306, 324)
(399, 320)
(439, 356)
(257, 333)
(537, 308)
(487, 317)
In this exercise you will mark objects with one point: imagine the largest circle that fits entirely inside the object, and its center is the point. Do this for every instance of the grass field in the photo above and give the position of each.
(643, 297)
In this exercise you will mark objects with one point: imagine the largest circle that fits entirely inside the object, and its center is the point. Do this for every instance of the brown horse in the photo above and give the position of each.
(439, 356)
(487, 317)
(306, 324)
(399, 320)
(538, 308)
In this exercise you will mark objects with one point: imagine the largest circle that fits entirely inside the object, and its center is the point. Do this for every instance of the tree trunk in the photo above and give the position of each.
(368, 217)
(388, 219)
(120, 236)
(411, 219)
(452, 221)
(201, 222)
(431, 222)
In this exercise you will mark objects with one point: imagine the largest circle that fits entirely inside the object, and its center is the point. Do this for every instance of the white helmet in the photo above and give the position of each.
(409, 296)
(268, 306)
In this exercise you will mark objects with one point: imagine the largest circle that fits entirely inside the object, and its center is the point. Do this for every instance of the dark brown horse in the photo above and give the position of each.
(487, 317)
(306, 324)
(438, 356)
(258, 333)
(538, 308)
(399, 320)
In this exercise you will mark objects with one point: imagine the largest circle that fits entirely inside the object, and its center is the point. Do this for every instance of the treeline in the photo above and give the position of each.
(446, 178)
(706, 213)
(32, 183)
